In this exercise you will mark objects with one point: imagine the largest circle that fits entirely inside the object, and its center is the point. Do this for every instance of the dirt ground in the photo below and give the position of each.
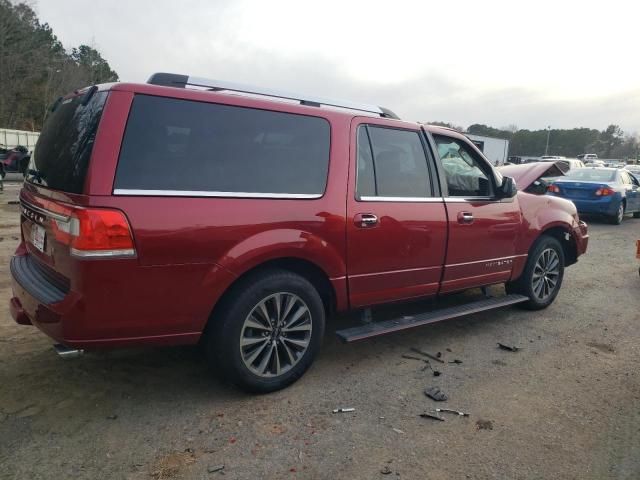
(566, 406)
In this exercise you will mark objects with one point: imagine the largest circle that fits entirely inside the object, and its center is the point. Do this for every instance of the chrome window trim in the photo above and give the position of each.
(471, 199)
(400, 199)
(204, 193)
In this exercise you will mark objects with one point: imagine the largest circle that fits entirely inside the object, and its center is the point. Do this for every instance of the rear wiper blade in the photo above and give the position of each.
(35, 175)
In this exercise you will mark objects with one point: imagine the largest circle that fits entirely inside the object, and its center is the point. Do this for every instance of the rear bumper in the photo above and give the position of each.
(116, 303)
(602, 206)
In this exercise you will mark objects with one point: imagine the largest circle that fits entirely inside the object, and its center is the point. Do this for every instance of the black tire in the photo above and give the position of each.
(2, 172)
(525, 285)
(228, 326)
(636, 214)
(617, 219)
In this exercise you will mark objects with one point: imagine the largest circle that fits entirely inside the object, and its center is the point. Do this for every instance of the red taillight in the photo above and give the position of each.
(95, 232)
(604, 192)
(553, 189)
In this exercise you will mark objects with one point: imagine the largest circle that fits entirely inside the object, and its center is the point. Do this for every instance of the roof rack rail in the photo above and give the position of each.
(182, 81)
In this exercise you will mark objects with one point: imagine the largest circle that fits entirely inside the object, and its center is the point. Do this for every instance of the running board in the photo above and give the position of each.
(380, 328)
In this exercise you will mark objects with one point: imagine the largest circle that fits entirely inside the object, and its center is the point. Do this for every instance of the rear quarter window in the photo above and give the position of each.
(174, 146)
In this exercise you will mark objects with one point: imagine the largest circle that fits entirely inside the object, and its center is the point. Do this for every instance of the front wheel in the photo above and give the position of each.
(267, 332)
(542, 275)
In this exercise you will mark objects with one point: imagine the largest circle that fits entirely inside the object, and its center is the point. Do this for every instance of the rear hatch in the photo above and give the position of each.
(57, 230)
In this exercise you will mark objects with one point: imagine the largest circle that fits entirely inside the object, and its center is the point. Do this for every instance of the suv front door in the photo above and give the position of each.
(483, 229)
(397, 225)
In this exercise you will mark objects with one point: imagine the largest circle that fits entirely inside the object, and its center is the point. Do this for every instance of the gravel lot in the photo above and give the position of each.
(565, 406)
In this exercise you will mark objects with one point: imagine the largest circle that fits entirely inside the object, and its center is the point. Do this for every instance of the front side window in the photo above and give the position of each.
(391, 163)
(465, 174)
(173, 145)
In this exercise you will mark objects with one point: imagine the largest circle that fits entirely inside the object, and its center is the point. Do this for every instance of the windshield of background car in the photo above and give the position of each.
(591, 175)
(61, 156)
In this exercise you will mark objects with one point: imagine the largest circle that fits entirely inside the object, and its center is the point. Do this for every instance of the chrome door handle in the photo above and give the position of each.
(465, 217)
(365, 220)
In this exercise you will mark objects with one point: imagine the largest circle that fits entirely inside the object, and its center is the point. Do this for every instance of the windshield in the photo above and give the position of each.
(591, 175)
(61, 156)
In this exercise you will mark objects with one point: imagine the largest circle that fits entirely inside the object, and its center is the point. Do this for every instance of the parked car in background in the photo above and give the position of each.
(594, 163)
(14, 160)
(162, 213)
(587, 157)
(635, 170)
(610, 192)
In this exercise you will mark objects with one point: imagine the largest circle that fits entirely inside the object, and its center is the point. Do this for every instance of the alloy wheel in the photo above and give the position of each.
(276, 334)
(620, 215)
(546, 274)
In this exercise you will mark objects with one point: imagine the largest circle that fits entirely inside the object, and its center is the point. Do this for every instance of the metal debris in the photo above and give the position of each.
(215, 468)
(449, 410)
(426, 354)
(344, 410)
(510, 348)
(431, 416)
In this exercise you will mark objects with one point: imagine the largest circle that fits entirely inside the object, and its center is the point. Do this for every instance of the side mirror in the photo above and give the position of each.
(508, 188)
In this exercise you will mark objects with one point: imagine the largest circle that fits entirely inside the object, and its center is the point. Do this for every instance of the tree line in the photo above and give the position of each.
(611, 142)
(36, 69)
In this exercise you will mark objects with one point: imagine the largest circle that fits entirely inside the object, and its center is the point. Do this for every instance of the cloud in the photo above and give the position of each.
(468, 63)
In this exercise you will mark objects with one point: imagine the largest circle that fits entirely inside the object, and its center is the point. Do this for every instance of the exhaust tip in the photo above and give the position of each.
(67, 352)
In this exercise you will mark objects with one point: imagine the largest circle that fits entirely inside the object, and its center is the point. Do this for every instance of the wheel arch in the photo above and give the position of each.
(303, 267)
(564, 235)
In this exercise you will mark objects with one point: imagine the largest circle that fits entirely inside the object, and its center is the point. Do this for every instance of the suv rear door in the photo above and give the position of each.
(396, 219)
(483, 230)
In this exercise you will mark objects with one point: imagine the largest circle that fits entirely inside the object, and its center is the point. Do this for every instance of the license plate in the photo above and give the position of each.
(38, 237)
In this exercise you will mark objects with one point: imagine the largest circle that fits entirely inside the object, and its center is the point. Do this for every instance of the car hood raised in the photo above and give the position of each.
(526, 174)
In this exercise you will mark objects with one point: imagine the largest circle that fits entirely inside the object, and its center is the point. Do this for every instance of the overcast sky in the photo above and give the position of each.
(532, 64)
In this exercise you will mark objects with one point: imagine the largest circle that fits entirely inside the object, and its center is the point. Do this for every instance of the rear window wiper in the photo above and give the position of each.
(35, 175)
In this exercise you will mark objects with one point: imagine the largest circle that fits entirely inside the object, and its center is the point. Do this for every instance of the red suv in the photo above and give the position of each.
(186, 210)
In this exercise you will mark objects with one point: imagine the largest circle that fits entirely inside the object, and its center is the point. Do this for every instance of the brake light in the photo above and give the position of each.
(95, 232)
(604, 192)
(553, 189)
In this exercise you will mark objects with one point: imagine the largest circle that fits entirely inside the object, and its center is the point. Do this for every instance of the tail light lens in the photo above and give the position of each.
(553, 189)
(95, 232)
(604, 192)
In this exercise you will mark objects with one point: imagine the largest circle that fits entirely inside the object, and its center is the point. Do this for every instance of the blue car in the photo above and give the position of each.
(612, 192)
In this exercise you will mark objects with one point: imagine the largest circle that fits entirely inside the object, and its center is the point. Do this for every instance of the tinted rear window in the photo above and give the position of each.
(187, 146)
(61, 156)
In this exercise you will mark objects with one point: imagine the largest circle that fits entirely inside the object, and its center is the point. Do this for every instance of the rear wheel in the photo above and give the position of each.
(619, 216)
(542, 275)
(267, 332)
